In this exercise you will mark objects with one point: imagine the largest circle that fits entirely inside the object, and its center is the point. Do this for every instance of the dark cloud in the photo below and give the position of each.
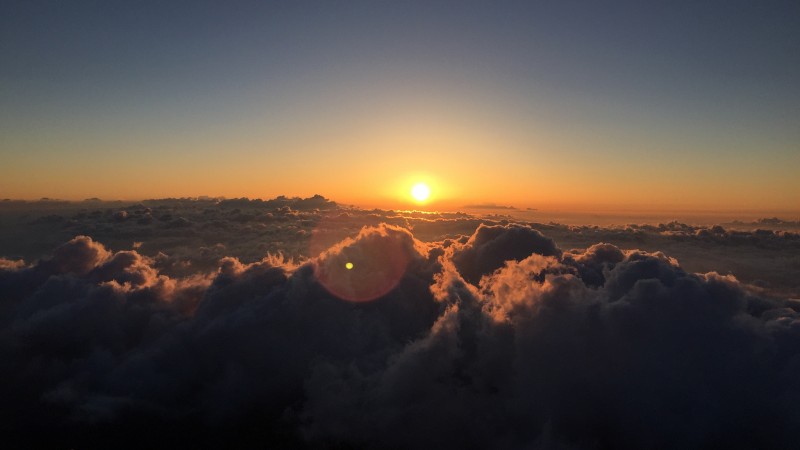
(490, 246)
(763, 257)
(595, 261)
(493, 338)
(78, 256)
(488, 206)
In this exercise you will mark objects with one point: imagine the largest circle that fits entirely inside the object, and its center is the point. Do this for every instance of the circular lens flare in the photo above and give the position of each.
(363, 269)
(420, 192)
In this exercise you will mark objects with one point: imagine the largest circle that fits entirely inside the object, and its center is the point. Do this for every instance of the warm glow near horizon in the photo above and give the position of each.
(529, 126)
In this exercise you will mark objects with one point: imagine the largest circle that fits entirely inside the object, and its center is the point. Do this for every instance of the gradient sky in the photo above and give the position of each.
(679, 104)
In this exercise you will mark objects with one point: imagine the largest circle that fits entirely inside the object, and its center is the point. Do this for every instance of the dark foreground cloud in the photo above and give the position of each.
(497, 340)
(490, 246)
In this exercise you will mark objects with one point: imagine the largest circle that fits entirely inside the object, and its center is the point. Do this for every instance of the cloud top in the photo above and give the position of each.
(491, 245)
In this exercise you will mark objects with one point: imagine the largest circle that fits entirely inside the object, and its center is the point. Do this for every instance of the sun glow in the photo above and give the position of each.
(420, 192)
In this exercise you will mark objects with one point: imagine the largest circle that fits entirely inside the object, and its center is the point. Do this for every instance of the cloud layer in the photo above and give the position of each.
(495, 340)
(188, 236)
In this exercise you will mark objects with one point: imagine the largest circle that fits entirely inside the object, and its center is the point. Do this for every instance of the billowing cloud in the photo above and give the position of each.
(490, 246)
(496, 339)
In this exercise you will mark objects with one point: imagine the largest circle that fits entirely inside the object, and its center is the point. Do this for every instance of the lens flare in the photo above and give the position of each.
(361, 268)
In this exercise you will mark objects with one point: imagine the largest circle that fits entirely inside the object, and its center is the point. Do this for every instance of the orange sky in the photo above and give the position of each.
(491, 105)
(467, 153)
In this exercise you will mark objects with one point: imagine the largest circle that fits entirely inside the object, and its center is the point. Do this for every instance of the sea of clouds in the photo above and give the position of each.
(238, 324)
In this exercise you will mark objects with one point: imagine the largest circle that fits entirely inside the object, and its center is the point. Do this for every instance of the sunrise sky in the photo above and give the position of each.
(692, 105)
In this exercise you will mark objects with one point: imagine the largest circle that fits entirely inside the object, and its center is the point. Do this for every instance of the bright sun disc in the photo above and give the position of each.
(420, 192)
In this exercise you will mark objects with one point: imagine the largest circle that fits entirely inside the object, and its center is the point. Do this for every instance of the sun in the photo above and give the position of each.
(420, 192)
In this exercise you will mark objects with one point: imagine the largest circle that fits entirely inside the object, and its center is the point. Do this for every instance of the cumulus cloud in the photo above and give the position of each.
(490, 246)
(187, 236)
(495, 339)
